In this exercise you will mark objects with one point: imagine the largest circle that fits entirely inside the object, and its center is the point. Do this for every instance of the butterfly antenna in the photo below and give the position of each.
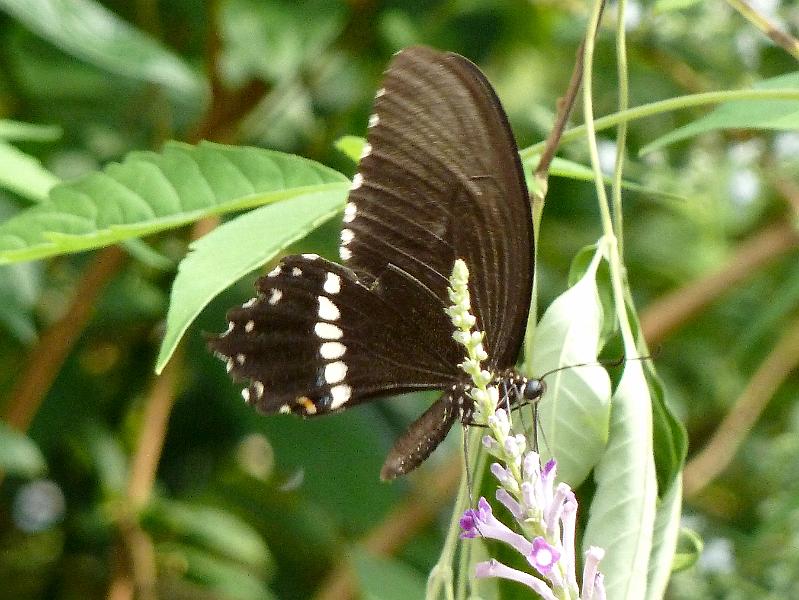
(601, 363)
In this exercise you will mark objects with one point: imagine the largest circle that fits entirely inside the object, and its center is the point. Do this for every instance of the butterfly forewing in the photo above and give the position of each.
(440, 179)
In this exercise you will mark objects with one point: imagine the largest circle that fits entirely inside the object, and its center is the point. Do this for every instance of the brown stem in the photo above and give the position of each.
(564, 109)
(400, 525)
(154, 423)
(662, 317)
(720, 450)
(48, 356)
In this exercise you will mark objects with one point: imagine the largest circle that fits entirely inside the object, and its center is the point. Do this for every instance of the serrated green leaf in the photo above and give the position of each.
(779, 115)
(574, 411)
(386, 579)
(17, 131)
(150, 192)
(664, 540)
(24, 174)
(91, 32)
(209, 528)
(236, 248)
(622, 513)
(19, 455)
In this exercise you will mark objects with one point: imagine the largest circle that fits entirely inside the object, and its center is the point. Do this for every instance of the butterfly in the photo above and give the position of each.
(439, 179)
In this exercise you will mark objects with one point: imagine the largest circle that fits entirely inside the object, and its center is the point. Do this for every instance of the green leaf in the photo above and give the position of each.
(108, 459)
(91, 32)
(236, 248)
(622, 513)
(16, 131)
(209, 528)
(689, 549)
(150, 192)
(386, 579)
(664, 540)
(20, 286)
(575, 409)
(19, 455)
(24, 174)
(664, 6)
(780, 115)
(351, 146)
(562, 167)
(218, 578)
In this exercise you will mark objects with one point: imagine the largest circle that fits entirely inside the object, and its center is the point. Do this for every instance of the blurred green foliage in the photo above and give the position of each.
(246, 507)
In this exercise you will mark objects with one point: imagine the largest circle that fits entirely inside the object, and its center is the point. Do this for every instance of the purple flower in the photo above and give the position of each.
(593, 585)
(510, 503)
(543, 556)
(481, 522)
(494, 568)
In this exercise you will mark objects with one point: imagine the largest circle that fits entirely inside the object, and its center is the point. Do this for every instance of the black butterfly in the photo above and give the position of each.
(439, 179)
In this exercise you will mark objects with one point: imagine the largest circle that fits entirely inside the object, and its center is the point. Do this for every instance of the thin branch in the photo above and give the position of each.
(154, 423)
(719, 452)
(782, 38)
(565, 105)
(662, 317)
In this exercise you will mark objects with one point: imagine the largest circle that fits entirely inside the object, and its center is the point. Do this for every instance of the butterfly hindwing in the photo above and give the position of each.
(318, 339)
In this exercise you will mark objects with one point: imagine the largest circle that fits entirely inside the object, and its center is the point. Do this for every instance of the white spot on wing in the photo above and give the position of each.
(380, 93)
(340, 394)
(327, 310)
(240, 358)
(296, 271)
(349, 212)
(357, 181)
(366, 151)
(374, 120)
(344, 253)
(230, 327)
(335, 372)
(229, 365)
(285, 409)
(328, 331)
(332, 283)
(245, 393)
(249, 326)
(332, 350)
(274, 272)
(310, 256)
(259, 389)
(346, 236)
(274, 296)
(249, 303)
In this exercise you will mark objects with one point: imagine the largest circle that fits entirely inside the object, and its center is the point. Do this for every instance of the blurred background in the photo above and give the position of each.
(238, 506)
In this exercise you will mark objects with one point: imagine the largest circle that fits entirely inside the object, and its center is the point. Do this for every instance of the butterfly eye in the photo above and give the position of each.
(533, 389)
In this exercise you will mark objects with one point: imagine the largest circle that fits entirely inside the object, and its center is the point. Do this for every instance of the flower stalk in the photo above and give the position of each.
(544, 514)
